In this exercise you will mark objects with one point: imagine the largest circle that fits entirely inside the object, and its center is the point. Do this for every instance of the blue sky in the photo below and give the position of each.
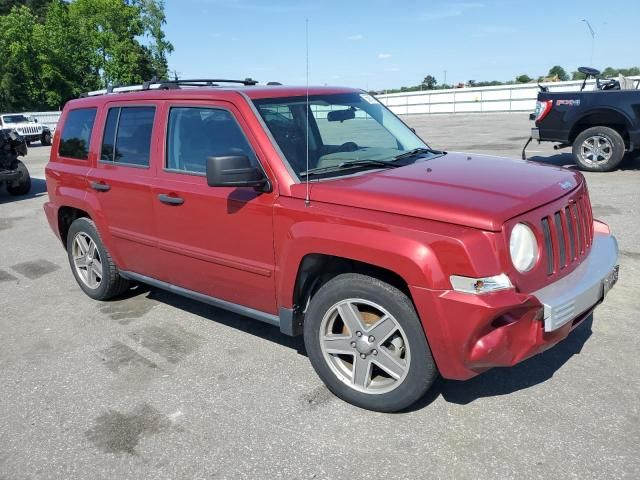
(379, 44)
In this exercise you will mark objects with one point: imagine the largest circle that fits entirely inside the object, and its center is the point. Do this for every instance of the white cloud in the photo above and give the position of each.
(356, 37)
(384, 56)
(450, 10)
(215, 35)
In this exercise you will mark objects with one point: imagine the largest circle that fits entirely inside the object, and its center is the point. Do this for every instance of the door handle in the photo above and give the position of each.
(169, 200)
(100, 186)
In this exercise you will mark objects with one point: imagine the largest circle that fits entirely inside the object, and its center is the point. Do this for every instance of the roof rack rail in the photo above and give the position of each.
(156, 84)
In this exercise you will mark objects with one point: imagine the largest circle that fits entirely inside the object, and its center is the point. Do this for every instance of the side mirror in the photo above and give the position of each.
(235, 171)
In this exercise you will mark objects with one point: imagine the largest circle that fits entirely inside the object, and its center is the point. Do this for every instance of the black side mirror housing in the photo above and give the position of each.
(235, 171)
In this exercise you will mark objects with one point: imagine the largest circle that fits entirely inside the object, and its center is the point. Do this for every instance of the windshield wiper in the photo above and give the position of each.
(348, 165)
(415, 152)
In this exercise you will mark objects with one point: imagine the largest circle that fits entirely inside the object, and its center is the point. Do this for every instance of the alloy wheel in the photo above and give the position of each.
(364, 346)
(596, 149)
(87, 261)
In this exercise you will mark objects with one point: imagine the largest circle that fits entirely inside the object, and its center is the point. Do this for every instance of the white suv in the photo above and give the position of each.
(27, 127)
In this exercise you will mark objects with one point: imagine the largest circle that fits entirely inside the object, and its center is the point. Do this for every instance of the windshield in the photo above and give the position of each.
(343, 128)
(14, 119)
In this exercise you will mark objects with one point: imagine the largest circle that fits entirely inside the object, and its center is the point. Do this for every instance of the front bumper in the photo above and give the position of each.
(469, 334)
(584, 287)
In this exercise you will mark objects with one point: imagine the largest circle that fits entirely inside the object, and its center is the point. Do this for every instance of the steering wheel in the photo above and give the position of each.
(348, 147)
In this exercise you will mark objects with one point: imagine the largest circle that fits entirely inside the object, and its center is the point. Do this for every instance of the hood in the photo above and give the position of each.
(473, 190)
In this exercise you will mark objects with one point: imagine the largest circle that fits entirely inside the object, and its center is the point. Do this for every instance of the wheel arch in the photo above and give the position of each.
(316, 269)
(607, 117)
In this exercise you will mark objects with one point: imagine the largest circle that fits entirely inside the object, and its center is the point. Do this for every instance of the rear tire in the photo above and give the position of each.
(22, 186)
(91, 263)
(598, 149)
(377, 359)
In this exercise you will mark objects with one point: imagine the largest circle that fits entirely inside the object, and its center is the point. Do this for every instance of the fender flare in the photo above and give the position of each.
(414, 261)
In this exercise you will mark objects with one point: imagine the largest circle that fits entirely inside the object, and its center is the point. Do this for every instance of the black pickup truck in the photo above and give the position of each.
(600, 125)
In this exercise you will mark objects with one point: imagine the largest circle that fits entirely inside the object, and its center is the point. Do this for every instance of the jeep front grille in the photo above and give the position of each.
(30, 130)
(567, 234)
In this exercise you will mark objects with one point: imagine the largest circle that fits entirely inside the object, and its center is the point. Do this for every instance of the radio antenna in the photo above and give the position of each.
(307, 199)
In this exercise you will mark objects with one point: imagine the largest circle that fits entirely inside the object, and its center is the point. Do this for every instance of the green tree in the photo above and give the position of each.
(111, 27)
(630, 72)
(37, 7)
(559, 71)
(78, 46)
(20, 83)
(66, 72)
(523, 79)
(153, 19)
(429, 82)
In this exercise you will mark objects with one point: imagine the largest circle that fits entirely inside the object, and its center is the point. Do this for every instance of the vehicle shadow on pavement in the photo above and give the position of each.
(38, 188)
(502, 381)
(629, 162)
(224, 317)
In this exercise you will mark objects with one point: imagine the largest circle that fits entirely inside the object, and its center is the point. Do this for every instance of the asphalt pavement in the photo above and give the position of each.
(154, 386)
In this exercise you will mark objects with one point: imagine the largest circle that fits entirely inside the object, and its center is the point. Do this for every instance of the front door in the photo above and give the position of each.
(213, 240)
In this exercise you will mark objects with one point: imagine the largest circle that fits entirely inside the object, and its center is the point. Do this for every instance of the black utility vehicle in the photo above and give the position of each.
(13, 172)
(599, 125)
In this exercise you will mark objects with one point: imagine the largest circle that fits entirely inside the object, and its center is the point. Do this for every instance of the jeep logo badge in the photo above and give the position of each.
(566, 185)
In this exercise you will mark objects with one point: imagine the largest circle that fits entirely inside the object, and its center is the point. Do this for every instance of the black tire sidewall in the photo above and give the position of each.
(88, 227)
(616, 141)
(422, 368)
(24, 186)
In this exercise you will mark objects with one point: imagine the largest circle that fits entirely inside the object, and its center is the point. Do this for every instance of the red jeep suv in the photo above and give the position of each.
(319, 211)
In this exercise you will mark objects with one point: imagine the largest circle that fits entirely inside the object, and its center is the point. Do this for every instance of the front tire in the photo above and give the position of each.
(365, 341)
(45, 140)
(598, 149)
(22, 186)
(91, 263)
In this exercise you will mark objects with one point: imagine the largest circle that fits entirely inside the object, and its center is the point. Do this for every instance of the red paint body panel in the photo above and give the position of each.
(425, 222)
(464, 189)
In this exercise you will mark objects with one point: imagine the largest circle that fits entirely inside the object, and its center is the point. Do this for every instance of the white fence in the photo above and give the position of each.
(501, 98)
(50, 119)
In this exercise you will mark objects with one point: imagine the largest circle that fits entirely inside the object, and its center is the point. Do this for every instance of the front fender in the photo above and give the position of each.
(422, 252)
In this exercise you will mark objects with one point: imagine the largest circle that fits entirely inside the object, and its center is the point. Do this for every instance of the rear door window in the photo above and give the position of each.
(76, 133)
(127, 136)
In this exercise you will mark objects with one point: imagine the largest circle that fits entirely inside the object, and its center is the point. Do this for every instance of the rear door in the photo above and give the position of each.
(71, 157)
(122, 183)
(213, 240)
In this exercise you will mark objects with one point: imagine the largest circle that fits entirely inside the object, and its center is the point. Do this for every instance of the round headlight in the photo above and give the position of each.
(523, 247)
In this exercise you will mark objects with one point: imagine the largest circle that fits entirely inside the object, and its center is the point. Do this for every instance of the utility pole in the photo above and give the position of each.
(593, 40)
(445, 78)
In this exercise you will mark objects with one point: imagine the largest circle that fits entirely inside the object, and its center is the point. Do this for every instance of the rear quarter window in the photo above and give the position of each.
(76, 133)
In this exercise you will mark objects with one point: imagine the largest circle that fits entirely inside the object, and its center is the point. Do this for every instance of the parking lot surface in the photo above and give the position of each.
(156, 386)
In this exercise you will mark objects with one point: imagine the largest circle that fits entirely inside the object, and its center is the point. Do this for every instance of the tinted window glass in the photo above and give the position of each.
(127, 135)
(76, 133)
(198, 133)
(109, 138)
